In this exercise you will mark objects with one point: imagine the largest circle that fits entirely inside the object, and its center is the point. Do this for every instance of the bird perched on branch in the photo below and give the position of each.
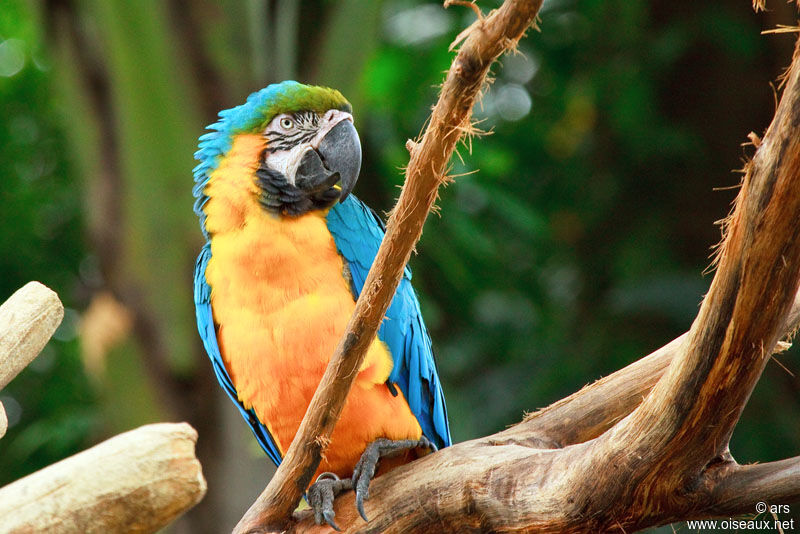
(287, 252)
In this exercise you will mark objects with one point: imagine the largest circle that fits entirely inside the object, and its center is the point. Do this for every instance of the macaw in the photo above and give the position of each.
(287, 252)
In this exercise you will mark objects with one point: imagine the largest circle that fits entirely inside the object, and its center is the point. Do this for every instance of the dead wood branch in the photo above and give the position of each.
(27, 320)
(580, 417)
(138, 481)
(686, 422)
(655, 448)
(643, 456)
(742, 487)
(588, 413)
(489, 37)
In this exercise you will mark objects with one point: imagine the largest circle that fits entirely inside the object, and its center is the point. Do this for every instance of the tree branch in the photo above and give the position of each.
(587, 413)
(27, 320)
(138, 481)
(450, 119)
(743, 486)
(623, 464)
(667, 459)
(739, 322)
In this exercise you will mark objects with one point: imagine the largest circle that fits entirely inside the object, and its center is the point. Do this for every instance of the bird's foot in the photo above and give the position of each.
(327, 486)
(321, 494)
(366, 466)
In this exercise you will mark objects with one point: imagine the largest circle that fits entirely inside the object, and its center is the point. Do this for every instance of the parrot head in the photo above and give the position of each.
(311, 153)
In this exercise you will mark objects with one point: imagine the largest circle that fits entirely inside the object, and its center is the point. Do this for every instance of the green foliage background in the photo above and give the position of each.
(578, 246)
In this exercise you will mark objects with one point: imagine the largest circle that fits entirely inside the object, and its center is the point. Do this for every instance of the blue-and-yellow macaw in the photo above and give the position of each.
(287, 253)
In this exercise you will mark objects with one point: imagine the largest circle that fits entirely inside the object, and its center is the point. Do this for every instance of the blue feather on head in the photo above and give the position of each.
(218, 141)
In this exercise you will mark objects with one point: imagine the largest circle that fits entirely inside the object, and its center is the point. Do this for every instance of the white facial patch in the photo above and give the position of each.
(287, 161)
(290, 135)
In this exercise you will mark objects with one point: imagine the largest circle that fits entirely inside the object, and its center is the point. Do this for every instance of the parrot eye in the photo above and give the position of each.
(286, 123)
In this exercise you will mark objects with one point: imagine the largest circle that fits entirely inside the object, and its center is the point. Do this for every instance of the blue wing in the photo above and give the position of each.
(358, 232)
(208, 332)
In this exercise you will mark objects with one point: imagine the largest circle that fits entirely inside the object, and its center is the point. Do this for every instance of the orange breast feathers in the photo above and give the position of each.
(282, 303)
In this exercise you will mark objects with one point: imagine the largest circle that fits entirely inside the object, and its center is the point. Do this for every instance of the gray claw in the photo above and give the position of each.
(360, 504)
(368, 463)
(425, 442)
(365, 470)
(329, 515)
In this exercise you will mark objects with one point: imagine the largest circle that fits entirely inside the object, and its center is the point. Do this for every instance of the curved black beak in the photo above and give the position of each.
(340, 150)
(336, 159)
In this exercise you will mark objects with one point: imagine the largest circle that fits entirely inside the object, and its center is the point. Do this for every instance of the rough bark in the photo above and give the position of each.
(645, 446)
(649, 444)
(581, 417)
(138, 481)
(27, 320)
(587, 413)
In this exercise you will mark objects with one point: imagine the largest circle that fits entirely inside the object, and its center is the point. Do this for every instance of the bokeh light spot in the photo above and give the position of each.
(512, 102)
(12, 57)
(418, 24)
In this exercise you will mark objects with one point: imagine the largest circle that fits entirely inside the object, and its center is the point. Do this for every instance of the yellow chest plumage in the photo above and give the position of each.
(281, 303)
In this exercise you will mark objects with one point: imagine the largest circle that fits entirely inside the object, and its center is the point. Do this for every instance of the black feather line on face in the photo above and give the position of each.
(280, 197)
(306, 127)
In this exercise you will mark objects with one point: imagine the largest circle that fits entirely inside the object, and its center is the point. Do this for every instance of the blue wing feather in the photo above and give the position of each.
(358, 232)
(208, 333)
